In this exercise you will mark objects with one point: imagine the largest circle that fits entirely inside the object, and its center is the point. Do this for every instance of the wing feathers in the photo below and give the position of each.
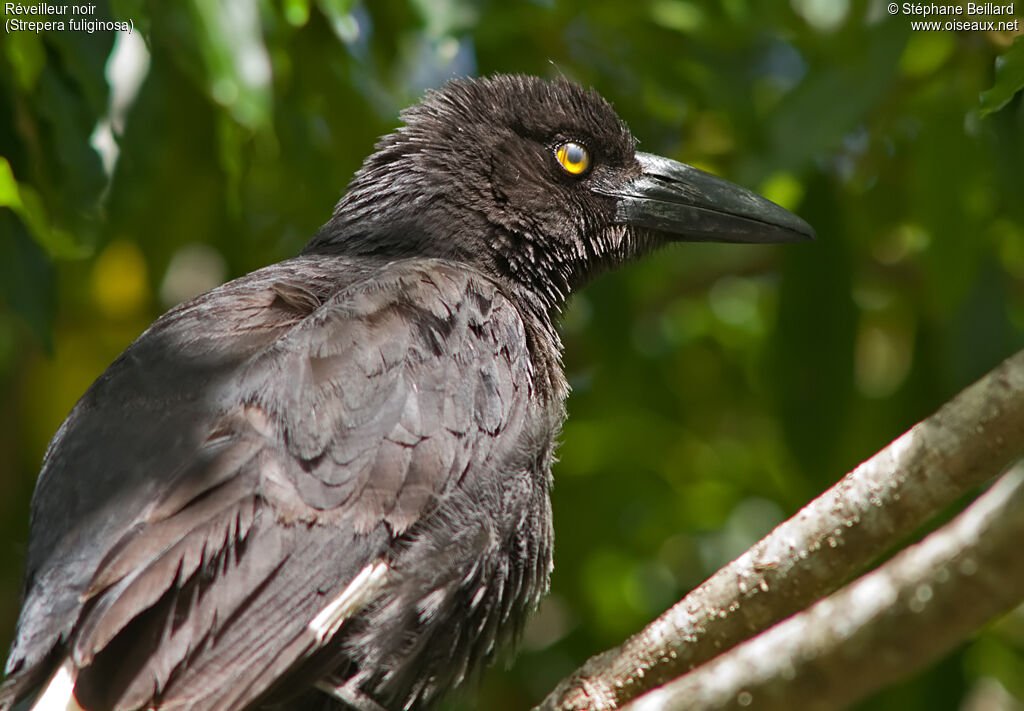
(58, 694)
(311, 454)
(352, 599)
(147, 542)
(204, 548)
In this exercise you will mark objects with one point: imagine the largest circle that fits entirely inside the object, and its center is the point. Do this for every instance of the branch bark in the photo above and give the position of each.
(971, 439)
(879, 629)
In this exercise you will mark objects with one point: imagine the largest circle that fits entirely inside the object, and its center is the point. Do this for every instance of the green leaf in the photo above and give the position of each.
(9, 196)
(238, 69)
(27, 279)
(84, 58)
(815, 116)
(134, 10)
(26, 204)
(296, 12)
(926, 52)
(26, 55)
(1009, 79)
(447, 17)
(338, 14)
(683, 17)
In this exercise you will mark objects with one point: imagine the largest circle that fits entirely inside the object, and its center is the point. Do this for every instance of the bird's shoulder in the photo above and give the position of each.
(406, 375)
(339, 366)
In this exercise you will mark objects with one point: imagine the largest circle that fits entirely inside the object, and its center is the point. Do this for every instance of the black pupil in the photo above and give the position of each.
(574, 153)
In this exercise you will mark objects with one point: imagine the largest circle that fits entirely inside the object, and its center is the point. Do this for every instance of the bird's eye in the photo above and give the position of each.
(573, 157)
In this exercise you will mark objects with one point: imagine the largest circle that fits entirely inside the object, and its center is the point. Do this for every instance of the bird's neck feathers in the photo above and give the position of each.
(391, 211)
(462, 180)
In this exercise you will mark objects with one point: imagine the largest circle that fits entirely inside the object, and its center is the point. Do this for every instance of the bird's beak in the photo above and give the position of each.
(694, 206)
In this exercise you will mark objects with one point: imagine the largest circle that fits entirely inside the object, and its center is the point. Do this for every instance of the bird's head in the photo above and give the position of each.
(538, 183)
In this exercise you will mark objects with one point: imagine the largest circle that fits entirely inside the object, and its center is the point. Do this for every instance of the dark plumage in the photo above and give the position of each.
(328, 480)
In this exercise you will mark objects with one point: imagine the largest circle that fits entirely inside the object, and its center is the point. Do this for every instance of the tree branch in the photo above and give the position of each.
(968, 441)
(878, 629)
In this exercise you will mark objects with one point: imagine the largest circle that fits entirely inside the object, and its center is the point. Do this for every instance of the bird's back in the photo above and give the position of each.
(256, 449)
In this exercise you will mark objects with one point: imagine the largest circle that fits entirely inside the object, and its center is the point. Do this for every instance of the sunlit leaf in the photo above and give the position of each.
(9, 196)
(120, 283)
(677, 15)
(26, 203)
(296, 12)
(926, 52)
(784, 189)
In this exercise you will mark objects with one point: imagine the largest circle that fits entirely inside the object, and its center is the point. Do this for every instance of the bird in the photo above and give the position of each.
(325, 484)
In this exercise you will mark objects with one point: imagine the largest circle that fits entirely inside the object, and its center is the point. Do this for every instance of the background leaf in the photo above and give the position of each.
(1009, 78)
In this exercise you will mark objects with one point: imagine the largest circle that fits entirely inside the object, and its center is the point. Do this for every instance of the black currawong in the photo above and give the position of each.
(325, 484)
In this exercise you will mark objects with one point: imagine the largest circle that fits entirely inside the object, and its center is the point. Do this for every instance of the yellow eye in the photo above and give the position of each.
(573, 157)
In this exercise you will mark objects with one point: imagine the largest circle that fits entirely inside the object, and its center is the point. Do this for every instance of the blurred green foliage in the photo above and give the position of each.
(716, 388)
